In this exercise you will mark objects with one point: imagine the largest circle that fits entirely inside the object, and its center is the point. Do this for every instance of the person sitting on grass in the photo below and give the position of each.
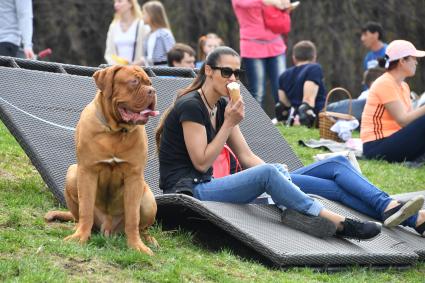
(193, 131)
(391, 129)
(357, 105)
(301, 86)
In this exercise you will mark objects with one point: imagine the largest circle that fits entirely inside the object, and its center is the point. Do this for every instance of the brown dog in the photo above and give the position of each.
(106, 187)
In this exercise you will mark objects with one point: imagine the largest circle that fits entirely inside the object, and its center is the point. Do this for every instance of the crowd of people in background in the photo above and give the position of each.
(142, 35)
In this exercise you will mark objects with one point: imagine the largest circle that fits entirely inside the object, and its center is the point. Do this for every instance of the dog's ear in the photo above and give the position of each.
(104, 79)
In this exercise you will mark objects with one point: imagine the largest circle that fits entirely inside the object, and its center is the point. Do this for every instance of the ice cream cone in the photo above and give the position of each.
(234, 91)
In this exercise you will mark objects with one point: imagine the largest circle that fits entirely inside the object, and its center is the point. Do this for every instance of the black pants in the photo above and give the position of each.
(8, 49)
(405, 145)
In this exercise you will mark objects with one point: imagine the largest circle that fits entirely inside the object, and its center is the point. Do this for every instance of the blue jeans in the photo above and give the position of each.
(256, 71)
(342, 106)
(336, 179)
(247, 185)
(8, 49)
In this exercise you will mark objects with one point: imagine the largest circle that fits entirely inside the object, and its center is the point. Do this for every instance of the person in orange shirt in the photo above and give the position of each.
(391, 129)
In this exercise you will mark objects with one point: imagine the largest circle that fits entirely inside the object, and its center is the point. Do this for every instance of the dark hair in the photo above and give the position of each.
(212, 60)
(392, 65)
(371, 75)
(304, 50)
(374, 27)
(176, 53)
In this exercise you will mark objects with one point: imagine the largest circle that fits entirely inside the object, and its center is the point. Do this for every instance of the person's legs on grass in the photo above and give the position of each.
(340, 171)
(404, 145)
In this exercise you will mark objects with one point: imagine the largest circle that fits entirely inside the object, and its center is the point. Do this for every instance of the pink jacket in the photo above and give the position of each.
(256, 41)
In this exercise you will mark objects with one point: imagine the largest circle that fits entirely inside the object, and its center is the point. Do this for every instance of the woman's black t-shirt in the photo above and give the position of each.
(174, 160)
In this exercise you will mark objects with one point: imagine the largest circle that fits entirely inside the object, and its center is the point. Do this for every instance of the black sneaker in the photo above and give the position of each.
(314, 225)
(404, 210)
(354, 229)
(421, 229)
(281, 111)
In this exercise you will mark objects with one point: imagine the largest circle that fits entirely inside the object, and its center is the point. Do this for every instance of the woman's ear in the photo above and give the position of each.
(402, 61)
(208, 70)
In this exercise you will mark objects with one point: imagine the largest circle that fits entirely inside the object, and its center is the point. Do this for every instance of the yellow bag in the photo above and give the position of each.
(119, 60)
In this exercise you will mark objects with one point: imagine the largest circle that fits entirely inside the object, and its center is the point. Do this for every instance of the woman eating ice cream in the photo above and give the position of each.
(193, 131)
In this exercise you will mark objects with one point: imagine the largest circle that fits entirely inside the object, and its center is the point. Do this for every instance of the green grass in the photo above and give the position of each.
(33, 251)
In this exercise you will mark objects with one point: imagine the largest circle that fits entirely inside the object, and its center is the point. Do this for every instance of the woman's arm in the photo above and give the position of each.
(110, 46)
(310, 90)
(403, 118)
(202, 153)
(242, 150)
(141, 37)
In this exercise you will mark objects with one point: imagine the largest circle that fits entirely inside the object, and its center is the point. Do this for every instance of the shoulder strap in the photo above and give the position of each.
(135, 41)
(238, 165)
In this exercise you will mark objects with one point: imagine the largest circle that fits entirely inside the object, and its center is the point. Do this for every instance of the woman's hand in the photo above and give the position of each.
(286, 4)
(280, 4)
(140, 62)
(234, 113)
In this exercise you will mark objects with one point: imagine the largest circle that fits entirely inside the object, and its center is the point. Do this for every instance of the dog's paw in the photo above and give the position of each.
(151, 240)
(82, 238)
(106, 233)
(139, 246)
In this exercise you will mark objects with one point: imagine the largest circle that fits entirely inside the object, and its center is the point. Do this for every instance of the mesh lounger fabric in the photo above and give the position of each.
(409, 235)
(40, 108)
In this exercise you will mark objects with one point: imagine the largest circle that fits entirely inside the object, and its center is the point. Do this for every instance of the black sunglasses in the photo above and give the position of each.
(227, 72)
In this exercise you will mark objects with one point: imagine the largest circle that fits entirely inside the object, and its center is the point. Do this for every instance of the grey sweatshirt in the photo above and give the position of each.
(16, 22)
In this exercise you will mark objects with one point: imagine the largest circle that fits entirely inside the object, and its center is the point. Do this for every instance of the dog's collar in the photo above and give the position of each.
(102, 119)
(108, 128)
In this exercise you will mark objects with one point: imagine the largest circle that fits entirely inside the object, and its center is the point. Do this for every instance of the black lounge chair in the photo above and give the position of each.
(40, 103)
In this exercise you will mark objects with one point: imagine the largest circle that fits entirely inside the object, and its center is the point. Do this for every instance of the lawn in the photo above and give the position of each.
(33, 251)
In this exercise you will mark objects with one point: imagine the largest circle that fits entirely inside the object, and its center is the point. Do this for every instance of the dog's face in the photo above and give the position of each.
(130, 93)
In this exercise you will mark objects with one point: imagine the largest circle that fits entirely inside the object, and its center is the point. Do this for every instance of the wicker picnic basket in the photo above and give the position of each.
(327, 119)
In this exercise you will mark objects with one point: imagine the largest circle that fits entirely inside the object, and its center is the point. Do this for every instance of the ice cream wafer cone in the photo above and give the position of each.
(234, 91)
